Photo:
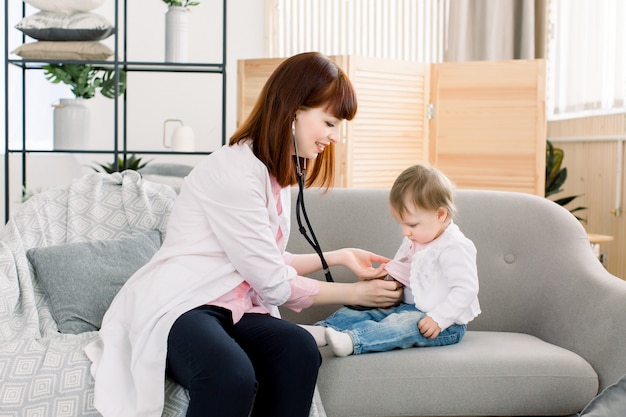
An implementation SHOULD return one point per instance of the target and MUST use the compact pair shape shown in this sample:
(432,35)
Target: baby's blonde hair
(424,186)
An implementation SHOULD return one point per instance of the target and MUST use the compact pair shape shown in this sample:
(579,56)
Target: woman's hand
(378,293)
(360,262)
(370,293)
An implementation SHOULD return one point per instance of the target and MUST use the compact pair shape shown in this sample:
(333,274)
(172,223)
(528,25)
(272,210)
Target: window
(586,56)
(585,51)
(394,29)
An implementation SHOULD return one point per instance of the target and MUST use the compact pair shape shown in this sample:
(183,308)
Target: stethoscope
(301,212)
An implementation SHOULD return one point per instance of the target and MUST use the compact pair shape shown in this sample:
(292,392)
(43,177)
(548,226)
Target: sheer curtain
(586,58)
(411,30)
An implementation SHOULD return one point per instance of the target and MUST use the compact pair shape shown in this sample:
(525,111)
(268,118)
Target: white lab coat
(222,231)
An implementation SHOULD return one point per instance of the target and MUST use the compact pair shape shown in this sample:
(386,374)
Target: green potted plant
(556,176)
(181,3)
(132,162)
(72,116)
(84,80)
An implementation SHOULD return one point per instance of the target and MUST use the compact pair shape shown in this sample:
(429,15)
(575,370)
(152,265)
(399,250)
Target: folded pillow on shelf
(69,50)
(65,6)
(55,26)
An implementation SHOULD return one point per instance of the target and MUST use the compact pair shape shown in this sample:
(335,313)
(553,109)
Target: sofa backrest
(526,245)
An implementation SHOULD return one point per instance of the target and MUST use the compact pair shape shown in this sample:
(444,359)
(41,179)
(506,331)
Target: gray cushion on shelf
(54,26)
(81,279)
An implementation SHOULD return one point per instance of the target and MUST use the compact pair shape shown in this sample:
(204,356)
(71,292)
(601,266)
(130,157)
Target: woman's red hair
(306,80)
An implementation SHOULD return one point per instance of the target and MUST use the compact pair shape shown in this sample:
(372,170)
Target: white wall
(151,97)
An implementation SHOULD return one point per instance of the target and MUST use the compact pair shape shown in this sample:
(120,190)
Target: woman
(204,309)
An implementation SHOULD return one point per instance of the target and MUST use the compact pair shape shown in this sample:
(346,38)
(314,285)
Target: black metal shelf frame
(116,64)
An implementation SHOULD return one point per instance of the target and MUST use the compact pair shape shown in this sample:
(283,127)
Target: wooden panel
(389,132)
(488,132)
(489,126)
(251,76)
(592,167)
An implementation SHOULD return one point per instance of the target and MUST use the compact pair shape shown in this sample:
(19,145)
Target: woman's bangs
(342,102)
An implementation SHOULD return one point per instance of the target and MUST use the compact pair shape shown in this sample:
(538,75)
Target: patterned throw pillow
(81,279)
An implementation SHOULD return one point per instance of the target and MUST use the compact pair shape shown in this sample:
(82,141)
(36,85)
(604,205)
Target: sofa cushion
(469,378)
(81,279)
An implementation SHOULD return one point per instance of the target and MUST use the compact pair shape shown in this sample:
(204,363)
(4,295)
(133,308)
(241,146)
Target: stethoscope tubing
(312,239)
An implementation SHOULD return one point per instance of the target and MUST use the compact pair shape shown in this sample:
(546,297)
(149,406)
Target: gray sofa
(552,331)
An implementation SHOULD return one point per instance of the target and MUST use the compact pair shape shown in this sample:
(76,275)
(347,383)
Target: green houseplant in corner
(71,116)
(556,176)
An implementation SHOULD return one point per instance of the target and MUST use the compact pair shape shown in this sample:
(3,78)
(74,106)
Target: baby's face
(419,225)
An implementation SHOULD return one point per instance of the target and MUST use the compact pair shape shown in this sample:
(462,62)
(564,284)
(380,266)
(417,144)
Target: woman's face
(315,130)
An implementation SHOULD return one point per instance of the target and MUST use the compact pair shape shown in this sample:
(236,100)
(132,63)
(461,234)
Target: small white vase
(176,34)
(71,124)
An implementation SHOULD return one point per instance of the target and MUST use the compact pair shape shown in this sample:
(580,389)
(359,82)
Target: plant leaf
(566,200)
(85,80)
(554,186)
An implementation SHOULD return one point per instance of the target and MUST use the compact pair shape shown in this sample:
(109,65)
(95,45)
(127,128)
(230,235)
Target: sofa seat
(466,379)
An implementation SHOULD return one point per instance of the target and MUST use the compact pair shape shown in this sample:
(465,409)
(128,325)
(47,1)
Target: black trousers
(260,367)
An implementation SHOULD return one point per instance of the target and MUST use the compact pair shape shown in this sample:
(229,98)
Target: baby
(436,263)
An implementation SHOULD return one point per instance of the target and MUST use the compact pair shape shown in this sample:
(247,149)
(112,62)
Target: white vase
(71,124)
(176,34)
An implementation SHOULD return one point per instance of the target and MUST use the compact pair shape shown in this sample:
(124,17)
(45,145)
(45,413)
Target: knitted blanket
(44,372)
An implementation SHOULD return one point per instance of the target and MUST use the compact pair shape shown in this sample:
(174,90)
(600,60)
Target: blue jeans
(379,329)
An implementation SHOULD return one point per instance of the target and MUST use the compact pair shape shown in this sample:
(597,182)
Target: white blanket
(44,372)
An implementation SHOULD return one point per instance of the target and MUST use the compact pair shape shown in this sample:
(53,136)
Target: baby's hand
(428,327)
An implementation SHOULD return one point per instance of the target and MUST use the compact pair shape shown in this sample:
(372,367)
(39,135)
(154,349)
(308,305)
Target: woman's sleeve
(302,289)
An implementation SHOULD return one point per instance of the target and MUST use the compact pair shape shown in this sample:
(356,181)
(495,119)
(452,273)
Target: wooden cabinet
(482,123)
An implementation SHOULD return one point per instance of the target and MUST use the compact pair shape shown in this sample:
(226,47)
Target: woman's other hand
(360,262)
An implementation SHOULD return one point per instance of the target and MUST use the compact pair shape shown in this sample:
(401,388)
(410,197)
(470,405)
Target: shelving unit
(119,61)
